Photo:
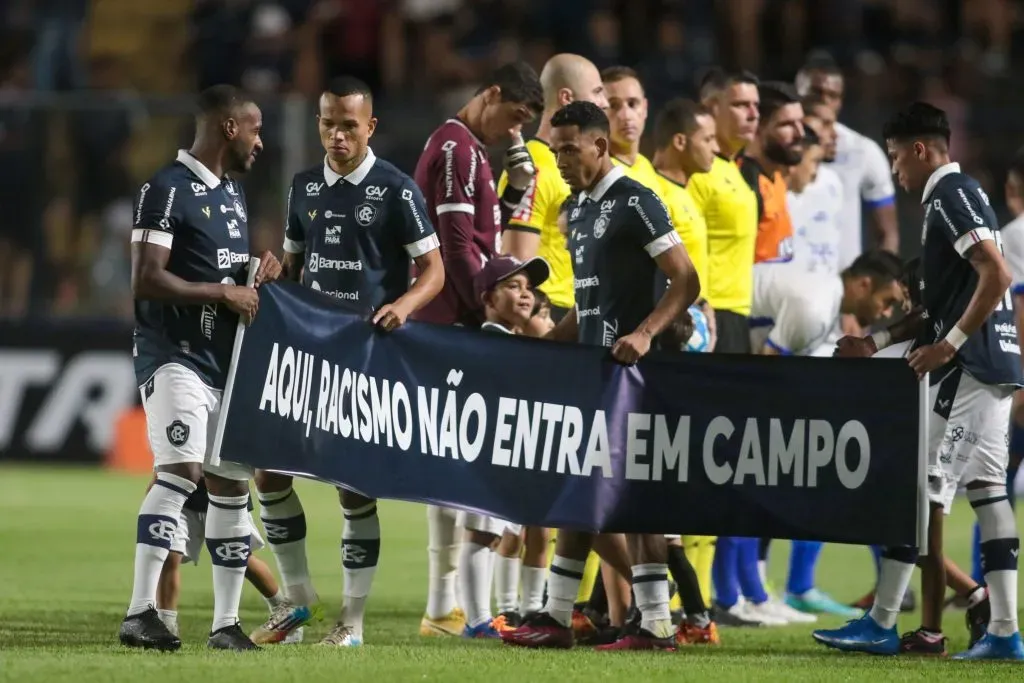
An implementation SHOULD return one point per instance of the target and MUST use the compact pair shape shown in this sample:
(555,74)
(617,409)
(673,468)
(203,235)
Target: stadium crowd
(723,212)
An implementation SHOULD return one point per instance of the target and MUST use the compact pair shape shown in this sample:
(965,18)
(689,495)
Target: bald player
(533,229)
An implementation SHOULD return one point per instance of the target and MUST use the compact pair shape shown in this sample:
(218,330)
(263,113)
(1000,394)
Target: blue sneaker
(995,647)
(861,635)
(815,601)
(484,630)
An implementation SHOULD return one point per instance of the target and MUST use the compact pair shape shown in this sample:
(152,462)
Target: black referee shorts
(733,332)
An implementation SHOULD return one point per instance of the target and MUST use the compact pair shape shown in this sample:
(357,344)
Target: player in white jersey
(799,312)
(862,166)
(815,200)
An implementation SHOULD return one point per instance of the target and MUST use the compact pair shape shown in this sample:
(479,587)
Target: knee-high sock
(650,589)
(360,551)
(563,586)
(285,523)
(442,552)
(803,558)
(897,568)
(228,539)
(748,574)
(156,526)
(476,575)
(724,571)
(506,583)
(999,549)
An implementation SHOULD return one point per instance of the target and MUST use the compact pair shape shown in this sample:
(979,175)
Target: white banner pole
(236,349)
(923,506)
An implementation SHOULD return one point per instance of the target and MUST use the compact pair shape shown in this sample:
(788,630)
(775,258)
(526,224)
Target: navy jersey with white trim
(616,231)
(202,219)
(358,232)
(958,215)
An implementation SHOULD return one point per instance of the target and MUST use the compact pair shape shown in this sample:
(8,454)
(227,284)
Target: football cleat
(285,618)
(147,631)
(540,630)
(762,613)
(583,626)
(506,621)
(777,608)
(639,639)
(995,647)
(861,635)
(484,630)
(731,616)
(451,624)
(341,636)
(815,601)
(688,633)
(977,620)
(920,642)
(231,638)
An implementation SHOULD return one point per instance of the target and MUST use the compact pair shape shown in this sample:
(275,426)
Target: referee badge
(177,433)
(365,214)
(600,226)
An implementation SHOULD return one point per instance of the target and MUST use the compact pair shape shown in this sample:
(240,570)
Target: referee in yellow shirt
(729,207)
(533,228)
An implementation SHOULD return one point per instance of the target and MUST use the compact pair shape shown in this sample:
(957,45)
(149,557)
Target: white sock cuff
(986,494)
(650,570)
(230,502)
(173,482)
(271,497)
(567,566)
(368,510)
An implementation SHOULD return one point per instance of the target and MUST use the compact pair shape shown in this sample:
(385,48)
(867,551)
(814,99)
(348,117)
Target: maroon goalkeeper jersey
(455,176)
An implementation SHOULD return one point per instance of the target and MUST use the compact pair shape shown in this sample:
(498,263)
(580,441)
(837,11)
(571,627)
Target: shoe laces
(337,635)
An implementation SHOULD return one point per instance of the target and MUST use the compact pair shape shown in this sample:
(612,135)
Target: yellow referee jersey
(642,171)
(729,207)
(538,213)
(689,224)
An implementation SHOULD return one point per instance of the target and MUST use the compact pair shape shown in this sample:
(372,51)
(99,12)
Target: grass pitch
(65,578)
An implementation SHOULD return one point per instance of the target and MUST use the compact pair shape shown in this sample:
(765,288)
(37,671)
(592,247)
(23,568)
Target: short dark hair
(614,74)
(919,121)
(718,79)
(880,265)
(221,100)
(823,62)
(1017,164)
(343,86)
(540,300)
(810,137)
(678,116)
(774,96)
(518,83)
(812,100)
(585,115)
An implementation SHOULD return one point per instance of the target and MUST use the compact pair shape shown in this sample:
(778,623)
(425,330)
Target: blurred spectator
(221,31)
(58,48)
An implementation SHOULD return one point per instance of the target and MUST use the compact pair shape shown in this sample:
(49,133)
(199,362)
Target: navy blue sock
(803,558)
(723,571)
(750,578)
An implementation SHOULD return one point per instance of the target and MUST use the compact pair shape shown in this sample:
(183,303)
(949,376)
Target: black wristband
(511,196)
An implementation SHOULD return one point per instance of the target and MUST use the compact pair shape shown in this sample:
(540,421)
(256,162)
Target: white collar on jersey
(497,327)
(937,175)
(603,184)
(356,176)
(197,167)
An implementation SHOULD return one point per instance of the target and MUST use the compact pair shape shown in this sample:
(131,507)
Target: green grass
(66,548)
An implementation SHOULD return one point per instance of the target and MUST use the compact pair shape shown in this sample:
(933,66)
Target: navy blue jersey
(615,232)
(958,215)
(202,219)
(358,232)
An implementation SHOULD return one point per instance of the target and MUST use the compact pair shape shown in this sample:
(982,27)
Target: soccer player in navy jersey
(190,251)
(354,224)
(965,342)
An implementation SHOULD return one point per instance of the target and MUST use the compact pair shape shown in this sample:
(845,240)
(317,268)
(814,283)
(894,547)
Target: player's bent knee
(271,482)
(221,486)
(192,471)
(351,500)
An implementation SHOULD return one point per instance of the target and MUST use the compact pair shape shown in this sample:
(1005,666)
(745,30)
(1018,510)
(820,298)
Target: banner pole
(236,349)
(923,506)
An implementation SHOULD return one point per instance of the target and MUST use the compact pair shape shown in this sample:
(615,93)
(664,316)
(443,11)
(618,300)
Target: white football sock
(228,538)
(360,551)
(170,619)
(274,601)
(532,598)
(893,579)
(506,582)
(442,551)
(999,549)
(475,574)
(650,588)
(285,524)
(563,586)
(157,523)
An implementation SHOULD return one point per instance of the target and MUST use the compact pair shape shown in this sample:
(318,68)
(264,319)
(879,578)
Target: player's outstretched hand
(269,270)
(390,317)
(930,357)
(518,162)
(631,348)
(242,300)
(855,347)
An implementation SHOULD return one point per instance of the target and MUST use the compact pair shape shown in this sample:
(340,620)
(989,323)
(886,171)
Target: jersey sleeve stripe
(522,228)
(967,241)
(458,207)
(160,238)
(662,244)
(879,203)
(423,246)
(294,246)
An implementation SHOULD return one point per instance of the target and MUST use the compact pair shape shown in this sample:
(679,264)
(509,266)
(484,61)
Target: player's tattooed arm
(291,266)
(153,282)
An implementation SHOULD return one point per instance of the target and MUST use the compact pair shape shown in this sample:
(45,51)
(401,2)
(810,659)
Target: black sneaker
(145,630)
(231,638)
(920,642)
(977,618)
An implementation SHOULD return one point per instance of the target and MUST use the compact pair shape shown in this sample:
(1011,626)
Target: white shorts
(191,535)
(968,432)
(181,419)
(487,524)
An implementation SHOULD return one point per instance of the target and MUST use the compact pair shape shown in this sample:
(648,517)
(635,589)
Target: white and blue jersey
(958,215)
(357,233)
(202,219)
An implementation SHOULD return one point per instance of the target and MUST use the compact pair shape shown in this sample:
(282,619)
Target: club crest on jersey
(177,433)
(239,210)
(206,211)
(600,226)
(376,193)
(198,189)
(365,214)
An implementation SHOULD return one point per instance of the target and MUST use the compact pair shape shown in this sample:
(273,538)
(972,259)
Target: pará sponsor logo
(332,235)
(583,283)
(233,231)
(227,258)
(318,263)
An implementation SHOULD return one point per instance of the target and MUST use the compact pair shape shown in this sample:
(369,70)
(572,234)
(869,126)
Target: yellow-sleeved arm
(700,190)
